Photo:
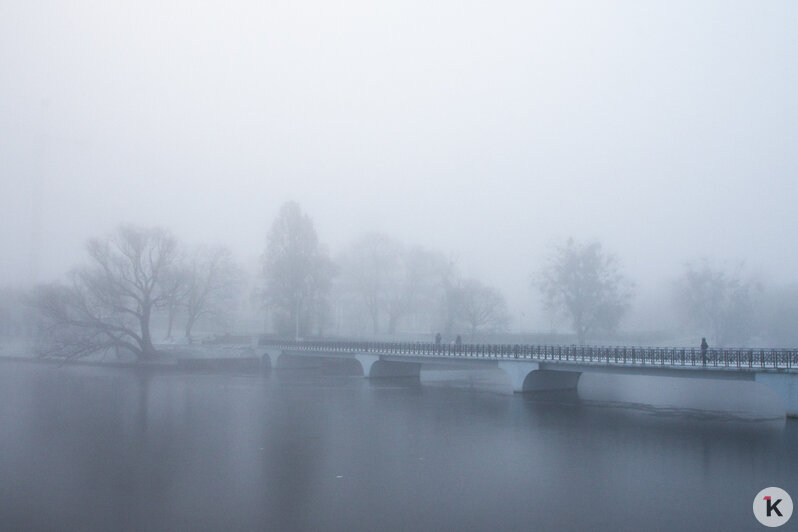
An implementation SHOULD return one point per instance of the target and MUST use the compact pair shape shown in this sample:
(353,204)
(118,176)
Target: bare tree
(385,283)
(423,277)
(175,284)
(449,301)
(714,299)
(211,281)
(319,307)
(371,268)
(482,308)
(109,303)
(296,270)
(584,283)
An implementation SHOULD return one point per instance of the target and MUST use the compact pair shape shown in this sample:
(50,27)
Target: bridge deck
(579,357)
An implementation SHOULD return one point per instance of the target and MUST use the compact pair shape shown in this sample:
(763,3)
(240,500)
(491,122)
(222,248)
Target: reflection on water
(706,399)
(102,449)
(698,397)
(483,380)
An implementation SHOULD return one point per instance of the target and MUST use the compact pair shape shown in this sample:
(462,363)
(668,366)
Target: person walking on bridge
(704,348)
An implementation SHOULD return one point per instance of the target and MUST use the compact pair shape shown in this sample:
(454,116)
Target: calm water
(317,449)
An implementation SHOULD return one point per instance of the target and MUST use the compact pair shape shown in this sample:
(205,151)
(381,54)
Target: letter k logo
(772,506)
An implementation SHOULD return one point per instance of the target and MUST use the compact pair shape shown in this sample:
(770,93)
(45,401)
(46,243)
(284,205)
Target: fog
(398,265)
(489,132)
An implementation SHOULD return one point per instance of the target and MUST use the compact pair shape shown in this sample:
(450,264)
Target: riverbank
(216,359)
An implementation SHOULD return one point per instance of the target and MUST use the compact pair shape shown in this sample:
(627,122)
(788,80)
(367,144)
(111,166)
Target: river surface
(321,449)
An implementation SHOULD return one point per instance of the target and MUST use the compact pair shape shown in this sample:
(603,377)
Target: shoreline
(248,364)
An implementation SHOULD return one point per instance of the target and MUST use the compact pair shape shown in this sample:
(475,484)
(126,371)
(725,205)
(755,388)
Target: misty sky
(488,130)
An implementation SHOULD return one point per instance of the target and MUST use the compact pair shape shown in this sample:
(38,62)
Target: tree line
(109,303)
(377,286)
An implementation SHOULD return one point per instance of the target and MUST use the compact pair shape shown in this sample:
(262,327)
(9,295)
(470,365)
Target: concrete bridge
(547,367)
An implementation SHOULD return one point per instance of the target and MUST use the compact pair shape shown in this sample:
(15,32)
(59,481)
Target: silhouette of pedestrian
(704,348)
(458,341)
(437,341)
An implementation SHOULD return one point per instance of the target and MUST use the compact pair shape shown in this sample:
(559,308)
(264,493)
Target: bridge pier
(518,371)
(374,368)
(276,359)
(528,377)
(269,358)
(786,387)
(551,380)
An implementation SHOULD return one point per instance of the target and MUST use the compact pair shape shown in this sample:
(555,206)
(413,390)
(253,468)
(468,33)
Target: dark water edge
(117,449)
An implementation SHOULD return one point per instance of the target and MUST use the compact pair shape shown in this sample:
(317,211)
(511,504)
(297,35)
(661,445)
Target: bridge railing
(722,358)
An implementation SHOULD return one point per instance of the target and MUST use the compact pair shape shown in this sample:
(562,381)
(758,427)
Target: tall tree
(584,283)
(383,283)
(717,300)
(296,270)
(175,283)
(482,308)
(423,277)
(109,303)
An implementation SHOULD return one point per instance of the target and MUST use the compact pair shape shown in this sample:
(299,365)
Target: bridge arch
(277,359)
(551,380)
(528,377)
(269,358)
(375,368)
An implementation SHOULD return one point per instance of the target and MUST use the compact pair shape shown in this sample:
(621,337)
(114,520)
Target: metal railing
(713,358)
